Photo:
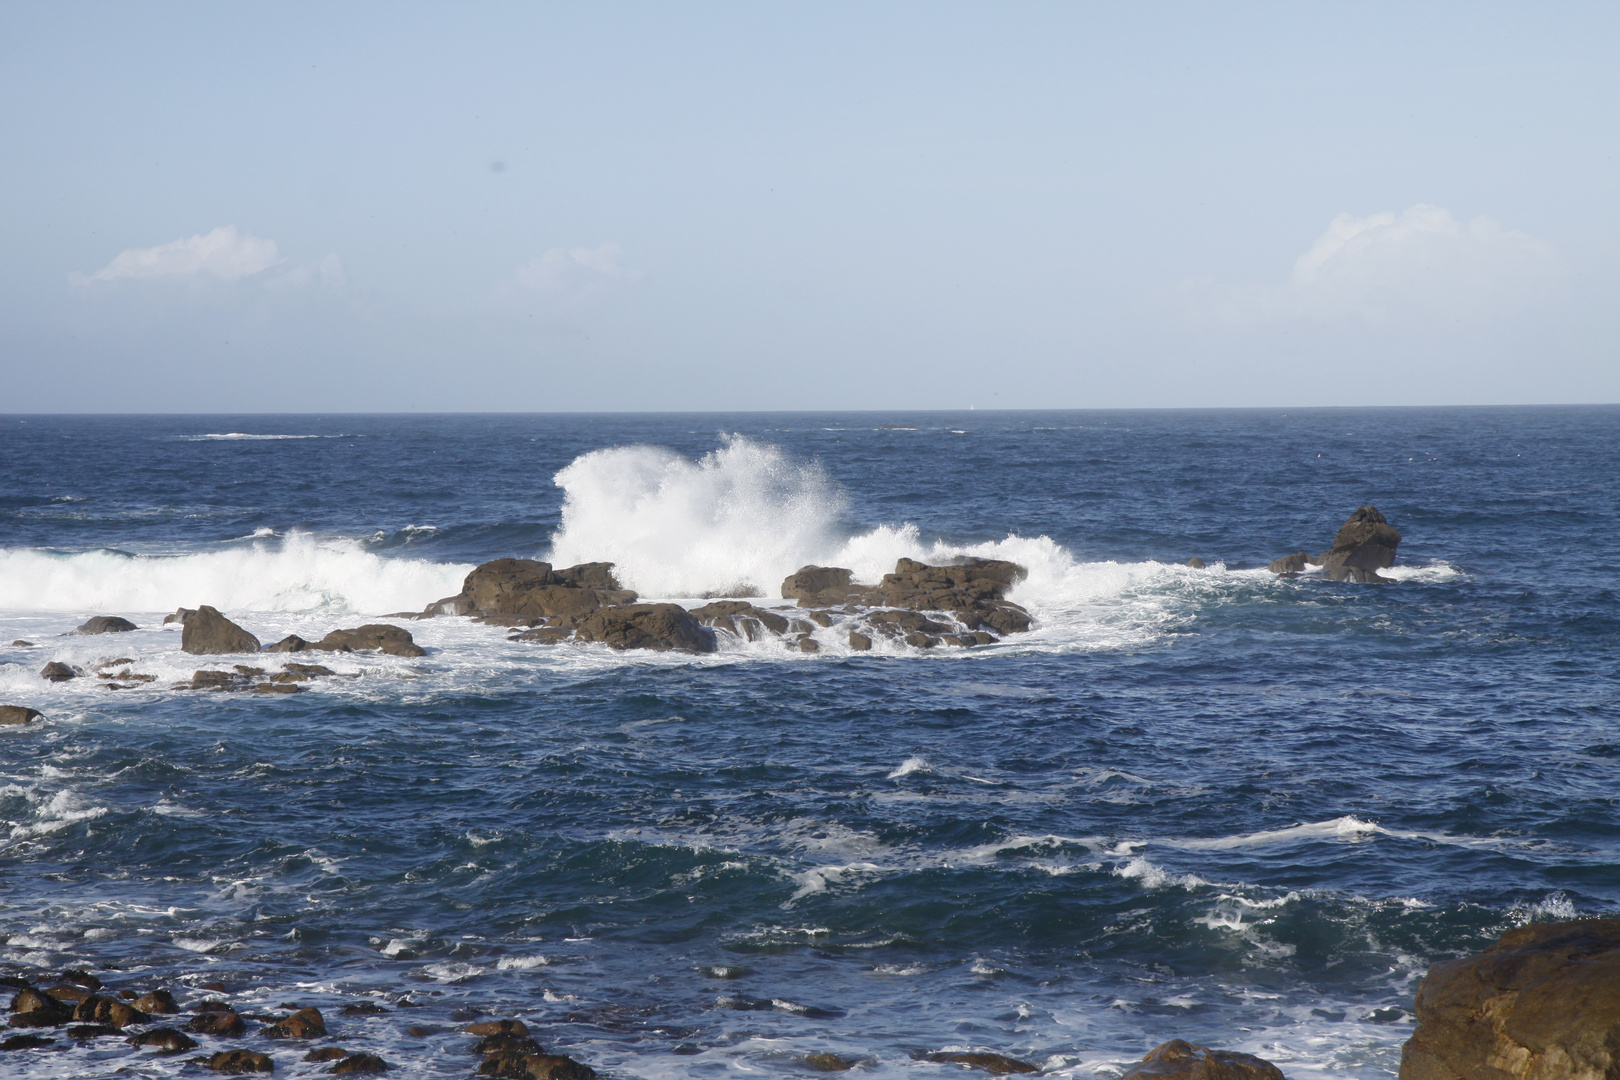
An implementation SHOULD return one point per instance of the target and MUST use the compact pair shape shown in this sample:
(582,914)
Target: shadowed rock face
(647,626)
(1365,544)
(1543,1003)
(205,632)
(17,714)
(1178,1060)
(526,587)
(105,624)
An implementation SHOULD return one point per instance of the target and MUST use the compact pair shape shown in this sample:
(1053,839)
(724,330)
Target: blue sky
(362,207)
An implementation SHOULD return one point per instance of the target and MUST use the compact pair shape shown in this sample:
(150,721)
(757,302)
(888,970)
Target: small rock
(303,1024)
(659,627)
(1289,565)
(17,714)
(392,640)
(90,1031)
(277,688)
(808,644)
(240,1061)
(1196,563)
(1178,1060)
(995,1064)
(360,1063)
(26,1042)
(290,643)
(158,1001)
(216,987)
(498,1027)
(217,1022)
(68,992)
(167,1039)
(859,641)
(56,671)
(106,624)
(364,1008)
(206,633)
(828,1063)
(100,1009)
(326,1053)
(180,616)
(535,1067)
(21,644)
(417,1031)
(507,1044)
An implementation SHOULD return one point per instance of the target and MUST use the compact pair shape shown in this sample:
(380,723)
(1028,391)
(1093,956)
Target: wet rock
(36,1008)
(17,714)
(544,635)
(591,575)
(303,1024)
(828,1063)
(535,1067)
(1543,1002)
(326,1053)
(26,1042)
(363,1008)
(100,1009)
(180,616)
(1289,565)
(277,688)
(218,1021)
(417,1031)
(859,641)
(821,618)
(91,1031)
(56,671)
(290,643)
(1178,1060)
(240,1061)
(168,1040)
(1365,544)
(506,1044)
(360,1063)
(381,637)
(216,987)
(661,627)
(71,993)
(741,619)
(1196,563)
(208,633)
(485,1028)
(532,588)
(105,624)
(808,644)
(995,1064)
(21,644)
(820,586)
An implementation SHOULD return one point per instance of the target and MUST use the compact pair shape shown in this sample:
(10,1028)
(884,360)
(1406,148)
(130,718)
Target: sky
(397,207)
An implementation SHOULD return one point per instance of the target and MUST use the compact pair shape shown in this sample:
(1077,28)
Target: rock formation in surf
(205,632)
(372,637)
(1179,1060)
(1364,545)
(1543,1002)
(106,624)
(17,714)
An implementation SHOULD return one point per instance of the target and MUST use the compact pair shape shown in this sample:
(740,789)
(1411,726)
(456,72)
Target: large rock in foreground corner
(1543,1003)
(647,626)
(1365,544)
(106,624)
(205,632)
(1178,1060)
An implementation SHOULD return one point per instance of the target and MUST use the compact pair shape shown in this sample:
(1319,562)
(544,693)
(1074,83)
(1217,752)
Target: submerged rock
(17,714)
(106,624)
(1179,1060)
(240,1061)
(25,1042)
(661,627)
(326,1053)
(303,1024)
(488,1028)
(1195,562)
(208,633)
(828,1063)
(355,1064)
(168,1040)
(1542,1003)
(995,1064)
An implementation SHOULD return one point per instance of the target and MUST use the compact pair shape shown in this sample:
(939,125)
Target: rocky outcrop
(1178,1060)
(1543,1003)
(17,714)
(1291,565)
(742,619)
(101,1009)
(1365,544)
(205,632)
(106,624)
(527,587)
(304,1024)
(377,637)
(56,671)
(660,627)
(995,1064)
(820,586)
(971,592)
(158,1001)
(180,616)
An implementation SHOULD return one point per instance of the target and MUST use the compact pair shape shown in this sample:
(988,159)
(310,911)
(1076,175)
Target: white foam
(300,573)
(910,765)
(521,963)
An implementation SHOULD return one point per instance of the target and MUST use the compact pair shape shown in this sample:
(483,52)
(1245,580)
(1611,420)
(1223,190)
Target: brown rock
(180,616)
(487,1028)
(828,1063)
(535,1067)
(68,992)
(166,1039)
(326,1053)
(741,619)
(240,1061)
(221,1021)
(105,624)
(360,1063)
(1543,1003)
(100,1009)
(21,644)
(820,586)
(1178,1060)
(208,633)
(1196,563)
(363,1008)
(17,714)
(660,627)
(158,1001)
(25,1042)
(1365,544)
(56,671)
(506,1044)
(303,1024)
(996,1064)
(393,640)
(1289,565)
(90,1031)
(591,575)
(859,641)
(529,587)
(290,643)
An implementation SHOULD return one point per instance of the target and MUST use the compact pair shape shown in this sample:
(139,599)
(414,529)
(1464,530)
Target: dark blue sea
(1209,804)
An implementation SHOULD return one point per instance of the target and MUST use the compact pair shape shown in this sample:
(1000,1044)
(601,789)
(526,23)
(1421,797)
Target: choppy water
(1207,804)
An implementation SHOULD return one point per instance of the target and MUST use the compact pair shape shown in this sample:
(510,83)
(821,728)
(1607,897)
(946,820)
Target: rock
(487,1028)
(26,1042)
(660,627)
(529,587)
(1543,1003)
(21,644)
(158,1001)
(535,1067)
(393,640)
(1289,565)
(828,1063)
(167,1039)
(56,671)
(996,1064)
(1365,544)
(180,616)
(506,1044)
(1196,563)
(591,575)
(303,1024)
(326,1053)
(35,1008)
(741,619)
(217,1021)
(240,1061)
(360,1063)
(17,714)
(208,633)
(808,644)
(859,641)
(290,643)
(68,992)
(363,1008)
(1178,1060)
(100,1009)
(90,1031)
(820,586)
(106,624)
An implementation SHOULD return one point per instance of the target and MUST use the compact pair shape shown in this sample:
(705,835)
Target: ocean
(1200,803)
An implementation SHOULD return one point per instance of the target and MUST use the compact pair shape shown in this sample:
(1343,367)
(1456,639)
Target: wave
(245,435)
(298,574)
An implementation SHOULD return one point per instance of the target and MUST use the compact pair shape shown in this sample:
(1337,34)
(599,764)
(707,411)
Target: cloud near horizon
(1420,264)
(573,270)
(226,253)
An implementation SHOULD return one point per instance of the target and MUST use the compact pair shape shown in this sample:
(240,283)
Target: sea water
(1209,804)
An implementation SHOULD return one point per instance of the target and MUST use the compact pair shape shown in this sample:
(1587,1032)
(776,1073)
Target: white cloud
(327,274)
(226,253)
(573,270)
(1420,264)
